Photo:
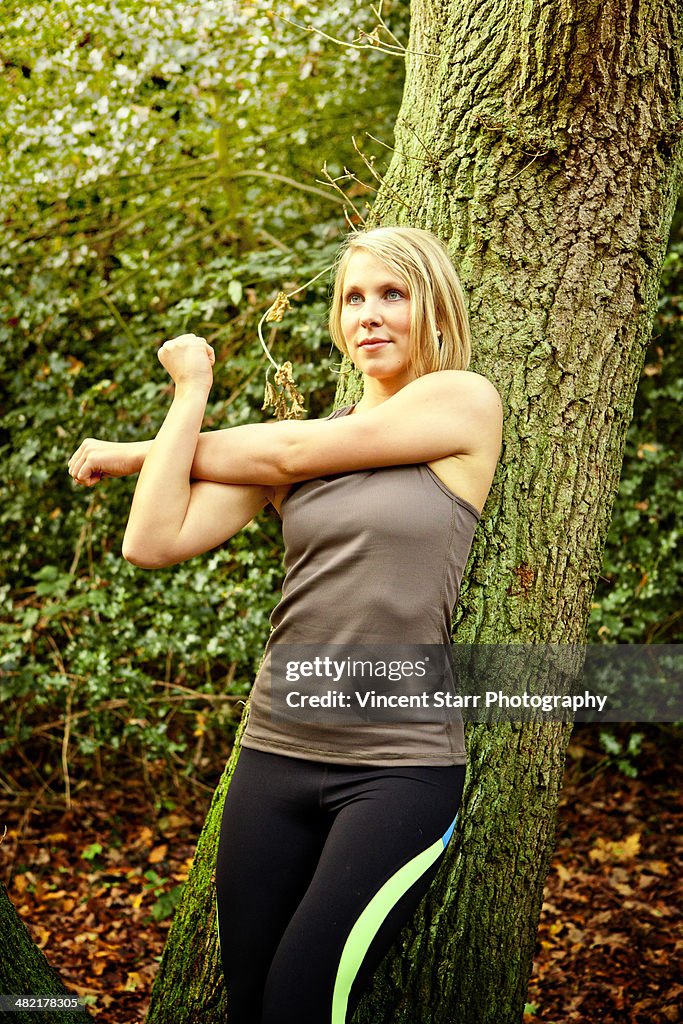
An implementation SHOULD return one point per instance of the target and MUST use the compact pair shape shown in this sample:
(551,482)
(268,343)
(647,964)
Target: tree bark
(24,971)
(543,141)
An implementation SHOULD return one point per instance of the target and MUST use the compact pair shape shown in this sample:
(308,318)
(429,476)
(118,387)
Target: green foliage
(92,852)
(166,899)
(623,755)
(159,178)
(638,595)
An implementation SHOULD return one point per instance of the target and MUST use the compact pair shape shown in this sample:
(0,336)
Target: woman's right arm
(173,518)
(215,512)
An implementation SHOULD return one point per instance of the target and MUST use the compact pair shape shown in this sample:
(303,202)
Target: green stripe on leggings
(369,922)
(218,920)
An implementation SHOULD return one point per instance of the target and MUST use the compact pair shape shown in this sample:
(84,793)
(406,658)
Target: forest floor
(96,886)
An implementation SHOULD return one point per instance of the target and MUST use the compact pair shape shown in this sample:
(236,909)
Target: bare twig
(197,694)
(274,176)
(404,156)
(432,158)
(526,166)
(377,11)
(374,42)
(367,161)
(378,178)
(334,184)
(381,143)
(65,749)
(275,242)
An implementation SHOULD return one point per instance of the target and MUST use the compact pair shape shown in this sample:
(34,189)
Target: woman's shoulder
(455,379)
(456,386)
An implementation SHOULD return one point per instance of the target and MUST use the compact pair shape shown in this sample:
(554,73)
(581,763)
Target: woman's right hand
(188,359)
(95,459)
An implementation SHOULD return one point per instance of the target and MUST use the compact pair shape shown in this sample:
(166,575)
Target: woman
(333,831)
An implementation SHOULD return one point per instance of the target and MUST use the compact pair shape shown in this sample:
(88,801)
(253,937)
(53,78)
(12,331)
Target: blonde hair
(439,327)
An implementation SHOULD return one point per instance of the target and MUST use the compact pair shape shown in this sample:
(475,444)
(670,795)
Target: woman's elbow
(142,556)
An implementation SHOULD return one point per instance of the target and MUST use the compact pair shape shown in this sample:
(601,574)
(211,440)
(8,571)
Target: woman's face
(375,319)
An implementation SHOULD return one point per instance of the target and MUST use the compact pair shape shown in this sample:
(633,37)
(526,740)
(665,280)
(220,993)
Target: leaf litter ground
(97,885)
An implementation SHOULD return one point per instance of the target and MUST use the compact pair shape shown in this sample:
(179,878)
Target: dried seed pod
(278,309)
(284,396)
(269,396)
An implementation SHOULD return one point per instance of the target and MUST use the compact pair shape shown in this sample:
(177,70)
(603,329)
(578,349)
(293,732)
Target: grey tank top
(373,557)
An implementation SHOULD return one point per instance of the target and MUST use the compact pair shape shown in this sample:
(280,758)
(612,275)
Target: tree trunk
(539,139)
(189,986)
(24,971)
(541,142)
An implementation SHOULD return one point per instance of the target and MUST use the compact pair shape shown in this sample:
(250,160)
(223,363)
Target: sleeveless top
(373,557)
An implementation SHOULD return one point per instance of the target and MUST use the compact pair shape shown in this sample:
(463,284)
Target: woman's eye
(354,298)
(394,293)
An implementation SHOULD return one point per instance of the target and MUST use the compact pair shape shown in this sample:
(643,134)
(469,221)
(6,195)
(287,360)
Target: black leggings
(319,866)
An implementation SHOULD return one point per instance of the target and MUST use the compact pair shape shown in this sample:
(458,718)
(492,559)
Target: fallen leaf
(42,935)
(55,895)
(657,867)
(134,980)
(619,850)
(144,837)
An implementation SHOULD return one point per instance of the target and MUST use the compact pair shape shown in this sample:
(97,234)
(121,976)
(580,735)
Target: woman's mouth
(371,344)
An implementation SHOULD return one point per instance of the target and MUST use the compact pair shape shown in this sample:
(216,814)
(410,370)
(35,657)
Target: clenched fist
(188,359)
(95,459)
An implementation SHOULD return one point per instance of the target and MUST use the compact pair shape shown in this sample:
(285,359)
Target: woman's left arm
(450,412)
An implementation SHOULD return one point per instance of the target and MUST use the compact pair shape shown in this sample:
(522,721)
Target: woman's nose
(370,314)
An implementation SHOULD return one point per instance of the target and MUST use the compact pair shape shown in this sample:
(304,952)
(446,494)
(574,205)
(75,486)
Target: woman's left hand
(188,359)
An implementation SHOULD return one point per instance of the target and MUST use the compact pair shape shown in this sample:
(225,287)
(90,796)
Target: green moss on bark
(24,971)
